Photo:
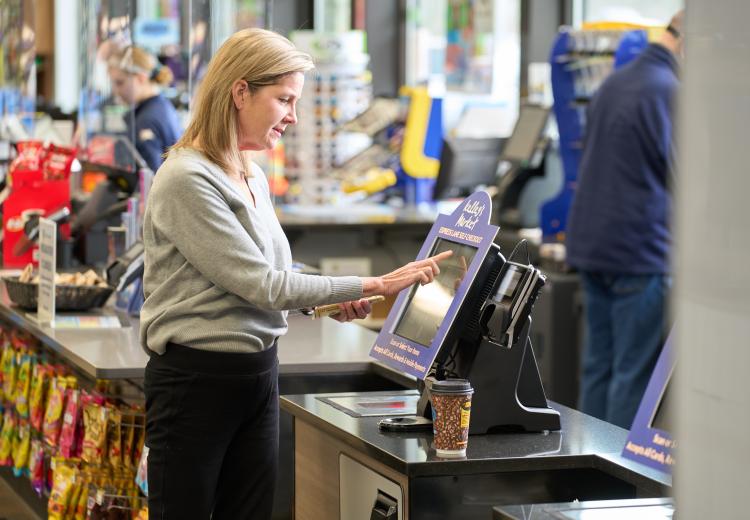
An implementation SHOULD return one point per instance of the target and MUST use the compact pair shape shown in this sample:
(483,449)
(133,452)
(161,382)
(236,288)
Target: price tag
(47,268)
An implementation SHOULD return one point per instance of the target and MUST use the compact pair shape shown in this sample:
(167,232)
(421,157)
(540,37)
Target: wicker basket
(67,297)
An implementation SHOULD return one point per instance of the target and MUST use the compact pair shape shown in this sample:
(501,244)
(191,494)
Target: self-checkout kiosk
(472,322)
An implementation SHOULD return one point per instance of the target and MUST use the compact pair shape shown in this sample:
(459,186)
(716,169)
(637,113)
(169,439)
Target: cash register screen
(428,304)
(522,143)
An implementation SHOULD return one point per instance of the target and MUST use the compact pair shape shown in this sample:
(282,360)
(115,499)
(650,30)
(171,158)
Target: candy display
(77,444)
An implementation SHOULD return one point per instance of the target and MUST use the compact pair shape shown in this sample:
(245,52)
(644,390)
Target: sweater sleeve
(201,223)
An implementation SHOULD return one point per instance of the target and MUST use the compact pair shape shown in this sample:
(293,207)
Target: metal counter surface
(310,347)
(594,509)
(583,442)
(293,216)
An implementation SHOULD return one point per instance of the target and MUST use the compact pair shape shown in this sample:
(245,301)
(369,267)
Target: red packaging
(39,185)
(70,423)
(57,162)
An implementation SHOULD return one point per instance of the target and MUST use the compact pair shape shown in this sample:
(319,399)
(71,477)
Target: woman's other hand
(353,310)
(419,271)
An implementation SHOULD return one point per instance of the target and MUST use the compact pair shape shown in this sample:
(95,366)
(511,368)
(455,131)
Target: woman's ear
(239,91)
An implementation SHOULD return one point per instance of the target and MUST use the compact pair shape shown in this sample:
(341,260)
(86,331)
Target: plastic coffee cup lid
(452,386)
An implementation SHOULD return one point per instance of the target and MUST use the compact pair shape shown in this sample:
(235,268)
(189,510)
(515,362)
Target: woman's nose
(291,117)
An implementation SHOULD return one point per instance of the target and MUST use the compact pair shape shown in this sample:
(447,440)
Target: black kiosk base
(508,392)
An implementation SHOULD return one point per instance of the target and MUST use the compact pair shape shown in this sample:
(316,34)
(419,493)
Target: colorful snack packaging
(80,509)
(94,433)
(141,476)
(114,438)
(23,385)
(21,449)
(128,439)
(7,434)
(57,162)
(64,477)
(54,412)
(36,466)
(39,383)
(140,440)
(10,372)
(71,417)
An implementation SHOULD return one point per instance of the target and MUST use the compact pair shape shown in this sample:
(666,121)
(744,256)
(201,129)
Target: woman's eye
(284,100)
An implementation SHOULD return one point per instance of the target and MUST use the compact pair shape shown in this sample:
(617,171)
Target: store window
(468,52)
(645,12)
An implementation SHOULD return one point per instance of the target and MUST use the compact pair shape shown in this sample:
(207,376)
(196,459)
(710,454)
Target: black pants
(212,428)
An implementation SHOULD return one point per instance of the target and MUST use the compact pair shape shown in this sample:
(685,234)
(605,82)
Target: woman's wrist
(372,285)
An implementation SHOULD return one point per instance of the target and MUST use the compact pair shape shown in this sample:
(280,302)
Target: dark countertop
(634,508)
(583,442)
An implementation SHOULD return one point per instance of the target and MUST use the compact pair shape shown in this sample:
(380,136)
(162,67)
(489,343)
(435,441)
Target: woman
(137,78)
(218,284)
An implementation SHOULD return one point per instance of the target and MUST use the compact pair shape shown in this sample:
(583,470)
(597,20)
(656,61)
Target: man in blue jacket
(618,231)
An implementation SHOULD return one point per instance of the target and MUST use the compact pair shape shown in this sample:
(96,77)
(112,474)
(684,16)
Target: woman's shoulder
(259,176)
(187,166)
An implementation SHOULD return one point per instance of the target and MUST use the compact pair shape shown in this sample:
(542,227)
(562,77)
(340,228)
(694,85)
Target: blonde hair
(259,57)
(135,60)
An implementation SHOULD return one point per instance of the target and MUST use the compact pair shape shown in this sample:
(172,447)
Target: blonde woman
(137,79)
(218,284)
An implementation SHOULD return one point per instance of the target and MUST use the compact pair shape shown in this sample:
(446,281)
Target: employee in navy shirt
(618,233)
(137,78)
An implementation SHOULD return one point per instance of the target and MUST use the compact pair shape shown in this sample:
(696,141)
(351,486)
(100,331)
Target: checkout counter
(472,322)
(315,356)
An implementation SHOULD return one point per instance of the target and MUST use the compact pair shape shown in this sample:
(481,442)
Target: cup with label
(451,411)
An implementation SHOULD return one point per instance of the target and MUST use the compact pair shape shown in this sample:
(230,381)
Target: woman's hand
(353,310)
(419,271)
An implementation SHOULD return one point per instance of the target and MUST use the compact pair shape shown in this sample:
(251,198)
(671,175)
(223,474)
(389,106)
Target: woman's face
(122,85)
(264,114)
(127,87)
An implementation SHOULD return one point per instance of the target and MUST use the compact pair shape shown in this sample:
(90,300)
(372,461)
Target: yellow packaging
(94,433)
(63,479)
(114,438)
(23,385)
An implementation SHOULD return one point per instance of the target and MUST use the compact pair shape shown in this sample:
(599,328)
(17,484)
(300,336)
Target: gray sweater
(217,269)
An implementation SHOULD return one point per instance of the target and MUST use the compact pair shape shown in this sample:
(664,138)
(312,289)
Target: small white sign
(47,268)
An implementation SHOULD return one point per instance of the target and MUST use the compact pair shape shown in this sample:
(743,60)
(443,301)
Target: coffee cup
(451,411)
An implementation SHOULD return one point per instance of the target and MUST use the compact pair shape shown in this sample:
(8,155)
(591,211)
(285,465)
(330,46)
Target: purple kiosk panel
(422,316)
(650,441)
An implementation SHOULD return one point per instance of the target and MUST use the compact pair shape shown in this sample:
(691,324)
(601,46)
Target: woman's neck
(148,92)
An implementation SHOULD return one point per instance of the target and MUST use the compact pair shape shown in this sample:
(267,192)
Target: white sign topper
(47,267)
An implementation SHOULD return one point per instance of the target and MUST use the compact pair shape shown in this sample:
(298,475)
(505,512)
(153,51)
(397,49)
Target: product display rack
(580,61)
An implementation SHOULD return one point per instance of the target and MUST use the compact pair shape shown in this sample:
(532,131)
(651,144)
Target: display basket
(67,297)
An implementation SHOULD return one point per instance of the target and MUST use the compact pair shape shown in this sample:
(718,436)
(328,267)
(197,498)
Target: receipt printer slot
(385,508)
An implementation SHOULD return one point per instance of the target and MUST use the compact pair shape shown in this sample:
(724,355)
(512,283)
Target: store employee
(137,78)
(218,285)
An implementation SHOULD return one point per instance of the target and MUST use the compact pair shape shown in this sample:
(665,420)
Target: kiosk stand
(508,392)
(472,323)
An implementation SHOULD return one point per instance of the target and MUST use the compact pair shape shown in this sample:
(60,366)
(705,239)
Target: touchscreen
(428,304)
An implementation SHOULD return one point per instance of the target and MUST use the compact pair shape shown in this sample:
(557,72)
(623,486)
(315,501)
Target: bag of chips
(39,383)
(10,372)
(63,480)
(54,412)
(71,418)
(94,433)
(36,466)
(114,438)
(21,449)
(7,434)
(23,385)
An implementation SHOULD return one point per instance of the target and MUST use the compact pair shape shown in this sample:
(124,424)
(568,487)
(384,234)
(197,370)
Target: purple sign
(422,316)
(649,441)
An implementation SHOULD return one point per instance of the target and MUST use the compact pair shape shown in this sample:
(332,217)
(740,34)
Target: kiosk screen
(428,304)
